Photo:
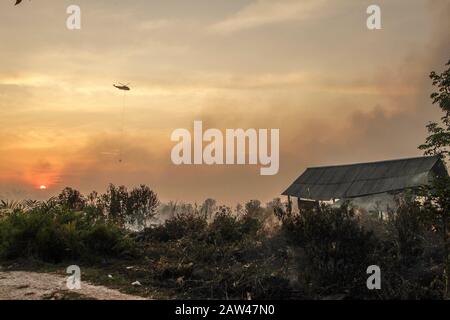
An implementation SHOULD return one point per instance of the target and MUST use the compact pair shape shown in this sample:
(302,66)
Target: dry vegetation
(214,252)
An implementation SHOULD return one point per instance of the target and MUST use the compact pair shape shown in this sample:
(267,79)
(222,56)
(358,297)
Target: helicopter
(122,86)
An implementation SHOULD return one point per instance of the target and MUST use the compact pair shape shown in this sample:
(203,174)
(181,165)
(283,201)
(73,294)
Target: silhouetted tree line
(118,205)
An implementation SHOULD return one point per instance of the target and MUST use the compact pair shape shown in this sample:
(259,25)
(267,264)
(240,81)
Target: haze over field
(338,92)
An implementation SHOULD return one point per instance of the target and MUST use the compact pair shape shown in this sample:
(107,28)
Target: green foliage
(412,254)
(57,235)
(228,258)
(106,240)
(134,208)
(253,208)
(336,248)
(72,199)
(181,225)
(141,205)
(226,254)
(208,207)
(225,228)
(438,141)
(409,227)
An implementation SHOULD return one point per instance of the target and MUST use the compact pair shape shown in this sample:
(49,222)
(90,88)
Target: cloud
(158,24)
(338,93)
(264,12)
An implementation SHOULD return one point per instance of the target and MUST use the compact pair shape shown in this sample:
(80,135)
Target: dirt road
(20,285)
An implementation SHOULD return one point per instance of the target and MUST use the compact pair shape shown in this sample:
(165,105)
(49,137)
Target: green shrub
(227,228)
(232,255)
(224,229)
(57,235)
(335,248)
(413,254)
(180,226)
(19,234)
(226,259)
(107,240)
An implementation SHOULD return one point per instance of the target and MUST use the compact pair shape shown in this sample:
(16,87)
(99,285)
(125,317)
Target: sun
(43,187)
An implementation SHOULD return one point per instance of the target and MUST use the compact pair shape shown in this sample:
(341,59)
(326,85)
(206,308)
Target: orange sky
(338,92)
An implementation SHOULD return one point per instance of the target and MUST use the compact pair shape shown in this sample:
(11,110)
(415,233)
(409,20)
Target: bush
(228,258)
(106,240)
(182,225)
(336,249)
(224,229)
(227,228)
(231,255)
(413,254)
(57,235)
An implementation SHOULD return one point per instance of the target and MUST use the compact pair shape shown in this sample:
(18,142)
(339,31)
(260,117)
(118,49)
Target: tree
(142,203)
(115,203)
(279,209)
(253,208)
(135,207)
(208,207)
(438,141)
(72,199)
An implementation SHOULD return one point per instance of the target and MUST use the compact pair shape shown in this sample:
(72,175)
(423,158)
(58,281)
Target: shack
(373,182)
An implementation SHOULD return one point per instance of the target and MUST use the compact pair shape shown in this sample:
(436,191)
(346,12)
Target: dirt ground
(21,285)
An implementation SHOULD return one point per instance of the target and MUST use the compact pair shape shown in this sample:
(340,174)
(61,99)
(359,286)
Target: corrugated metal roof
(355,180)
